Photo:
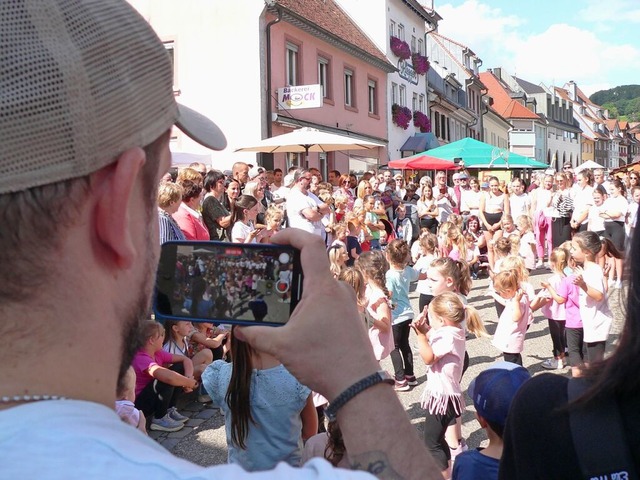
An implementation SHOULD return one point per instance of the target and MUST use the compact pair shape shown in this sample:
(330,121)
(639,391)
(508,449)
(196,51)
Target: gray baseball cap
(81,81)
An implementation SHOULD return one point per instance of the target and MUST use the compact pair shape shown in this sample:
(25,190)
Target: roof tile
(327,15)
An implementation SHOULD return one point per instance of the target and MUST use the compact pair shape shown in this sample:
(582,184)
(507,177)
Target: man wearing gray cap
(86,108)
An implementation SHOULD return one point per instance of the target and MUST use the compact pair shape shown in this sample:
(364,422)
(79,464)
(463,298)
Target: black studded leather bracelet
(380,376)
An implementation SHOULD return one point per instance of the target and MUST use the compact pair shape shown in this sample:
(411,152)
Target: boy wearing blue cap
(491,392)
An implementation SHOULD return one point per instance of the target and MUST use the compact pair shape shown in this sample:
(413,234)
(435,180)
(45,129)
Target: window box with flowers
(400,48)
(421,121)
(400,115)
(420,63)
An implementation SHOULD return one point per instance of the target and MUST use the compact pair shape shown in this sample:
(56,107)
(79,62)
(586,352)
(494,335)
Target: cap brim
(199,128)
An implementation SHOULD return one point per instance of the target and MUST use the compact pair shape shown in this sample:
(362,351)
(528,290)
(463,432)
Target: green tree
(613,110)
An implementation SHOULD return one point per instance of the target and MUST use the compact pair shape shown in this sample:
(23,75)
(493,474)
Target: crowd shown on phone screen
(443,231)
(86,110)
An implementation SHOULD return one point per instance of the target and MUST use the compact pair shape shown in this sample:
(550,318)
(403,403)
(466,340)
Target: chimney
(498,73)
(573,90)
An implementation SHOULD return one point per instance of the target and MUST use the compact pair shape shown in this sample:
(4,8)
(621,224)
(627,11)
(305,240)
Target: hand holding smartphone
(228,283)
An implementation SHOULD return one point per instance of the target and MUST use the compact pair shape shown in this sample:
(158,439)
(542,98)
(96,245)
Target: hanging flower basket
(400,48)
(420,63)
(401,116)
(421,121)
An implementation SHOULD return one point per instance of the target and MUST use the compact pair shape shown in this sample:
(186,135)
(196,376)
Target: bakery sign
(299,96)
(406,72)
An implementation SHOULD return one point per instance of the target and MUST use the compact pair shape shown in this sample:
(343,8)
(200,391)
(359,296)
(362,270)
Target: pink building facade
(325,47)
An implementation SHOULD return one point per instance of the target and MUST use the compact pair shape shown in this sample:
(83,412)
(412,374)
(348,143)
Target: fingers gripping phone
(228,283)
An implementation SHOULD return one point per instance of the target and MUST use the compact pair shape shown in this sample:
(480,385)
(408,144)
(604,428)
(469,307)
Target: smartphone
(443,190)
(228,283)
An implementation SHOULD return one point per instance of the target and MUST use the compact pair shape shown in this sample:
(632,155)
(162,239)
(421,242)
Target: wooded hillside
(622,102)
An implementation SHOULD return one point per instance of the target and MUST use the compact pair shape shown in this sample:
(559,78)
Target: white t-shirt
(444,204)
(71,439)
(616,204)
(582,202)
(296,203)
(596,222)
(422,265)
(519,205)
(596,316)
(526,252)
(470,201)
(240,232)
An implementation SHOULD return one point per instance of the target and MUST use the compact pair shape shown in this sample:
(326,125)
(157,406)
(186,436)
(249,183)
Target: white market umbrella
(307,140)
(590,164)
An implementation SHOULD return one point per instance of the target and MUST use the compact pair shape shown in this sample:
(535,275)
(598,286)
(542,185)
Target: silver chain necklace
(29,398)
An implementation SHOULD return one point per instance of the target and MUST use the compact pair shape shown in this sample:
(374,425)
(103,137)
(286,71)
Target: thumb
(259,337)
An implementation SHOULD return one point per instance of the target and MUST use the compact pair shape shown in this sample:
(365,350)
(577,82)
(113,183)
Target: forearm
(170,377)
(597,295)
(517,313)
(224,222)
(425,350)
(373,448)
(558,299)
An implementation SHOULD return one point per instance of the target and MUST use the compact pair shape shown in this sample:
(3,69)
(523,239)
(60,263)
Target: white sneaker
(550,364)
(618,284)
(539,264)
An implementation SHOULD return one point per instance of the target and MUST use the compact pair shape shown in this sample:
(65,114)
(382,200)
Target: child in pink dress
(373,265)
(514,319)
(442,347)
(554,311)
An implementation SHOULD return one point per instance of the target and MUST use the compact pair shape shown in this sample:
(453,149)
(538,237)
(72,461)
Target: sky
(591,42)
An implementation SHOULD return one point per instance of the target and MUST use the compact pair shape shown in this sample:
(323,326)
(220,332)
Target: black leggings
(423,301)
(435,427)
(595,351)
(402,356)
(513,358)
(156,398)
(560,231)
(558,338)
(575,345)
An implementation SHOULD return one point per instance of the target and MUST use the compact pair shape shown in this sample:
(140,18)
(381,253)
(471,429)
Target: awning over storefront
(420,142)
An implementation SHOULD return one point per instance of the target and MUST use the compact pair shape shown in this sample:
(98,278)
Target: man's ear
(114,189)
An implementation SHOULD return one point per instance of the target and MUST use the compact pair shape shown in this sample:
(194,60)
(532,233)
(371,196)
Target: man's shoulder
(88,440)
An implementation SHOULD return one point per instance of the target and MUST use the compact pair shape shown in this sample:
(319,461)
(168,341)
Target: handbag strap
(598,437)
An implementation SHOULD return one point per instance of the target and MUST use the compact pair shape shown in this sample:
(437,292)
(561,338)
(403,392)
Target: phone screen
(228,283)
(443,189)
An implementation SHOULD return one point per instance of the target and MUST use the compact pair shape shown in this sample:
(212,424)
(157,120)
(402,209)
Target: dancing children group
(381,236)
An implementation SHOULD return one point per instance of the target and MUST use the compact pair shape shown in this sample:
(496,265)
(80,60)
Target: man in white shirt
(93,173)
(519,201)
(387,180)
(600,179)
(280,195)
(445,197)
(304,209)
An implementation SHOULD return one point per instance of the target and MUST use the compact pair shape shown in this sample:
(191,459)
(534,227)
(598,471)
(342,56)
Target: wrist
(356,389)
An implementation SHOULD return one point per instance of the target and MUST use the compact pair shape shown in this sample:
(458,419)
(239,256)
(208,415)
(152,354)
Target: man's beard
(139,311)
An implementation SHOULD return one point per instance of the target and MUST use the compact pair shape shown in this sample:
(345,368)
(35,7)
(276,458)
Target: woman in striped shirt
(562,204)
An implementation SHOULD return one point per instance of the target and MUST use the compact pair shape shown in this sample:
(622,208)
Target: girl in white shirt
(243,216)
(614,212)
(594,307)
(596,221)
